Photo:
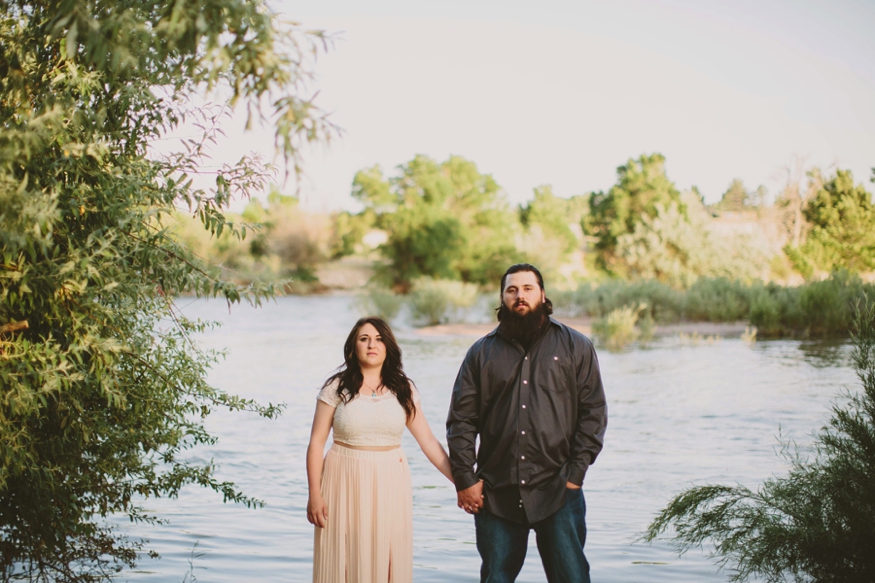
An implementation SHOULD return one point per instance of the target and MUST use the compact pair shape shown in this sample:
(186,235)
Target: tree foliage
(286,242)
(813,524)
(554,217)
(675,246)
(738,198)
(642,189)
(841,235)
(101,387)
(550,231)
(444,220)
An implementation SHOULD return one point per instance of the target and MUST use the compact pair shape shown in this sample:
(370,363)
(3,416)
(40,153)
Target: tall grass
(617,329)
(663,303)
(817,308)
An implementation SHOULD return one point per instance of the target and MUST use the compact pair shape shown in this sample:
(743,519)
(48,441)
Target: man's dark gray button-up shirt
(540,416)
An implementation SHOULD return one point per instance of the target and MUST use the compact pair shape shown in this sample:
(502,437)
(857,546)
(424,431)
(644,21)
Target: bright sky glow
(561,93)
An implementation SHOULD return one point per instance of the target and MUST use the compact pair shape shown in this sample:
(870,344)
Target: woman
(360,498)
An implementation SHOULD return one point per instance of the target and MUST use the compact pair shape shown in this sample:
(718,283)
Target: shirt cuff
(576,475)
(465,480)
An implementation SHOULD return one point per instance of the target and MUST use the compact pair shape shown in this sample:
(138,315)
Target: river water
(681,413)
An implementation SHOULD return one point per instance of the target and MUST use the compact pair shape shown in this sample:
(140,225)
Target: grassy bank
(813,309)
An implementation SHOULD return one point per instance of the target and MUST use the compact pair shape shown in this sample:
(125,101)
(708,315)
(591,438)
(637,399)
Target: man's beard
(524,328)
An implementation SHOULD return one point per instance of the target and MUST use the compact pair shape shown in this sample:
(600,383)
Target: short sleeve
(328,394)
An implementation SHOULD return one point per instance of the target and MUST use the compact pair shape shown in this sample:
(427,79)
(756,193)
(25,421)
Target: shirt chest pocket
(555,374)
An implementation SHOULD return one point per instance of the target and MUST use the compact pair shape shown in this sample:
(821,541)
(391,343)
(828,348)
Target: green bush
(816,308)
(379,301)
(828,305)
(717,299)
(813,524)
(616,330)
(437,301)
(765,312)
(663,304)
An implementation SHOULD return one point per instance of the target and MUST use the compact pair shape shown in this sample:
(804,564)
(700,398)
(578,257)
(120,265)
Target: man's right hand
(471,499)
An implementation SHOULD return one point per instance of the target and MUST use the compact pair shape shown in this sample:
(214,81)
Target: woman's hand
(317,511)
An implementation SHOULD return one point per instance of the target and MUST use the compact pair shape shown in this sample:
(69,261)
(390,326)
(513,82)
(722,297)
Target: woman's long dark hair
(349,374)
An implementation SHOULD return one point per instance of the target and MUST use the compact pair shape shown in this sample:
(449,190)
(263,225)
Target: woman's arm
(317,511)
(430,446)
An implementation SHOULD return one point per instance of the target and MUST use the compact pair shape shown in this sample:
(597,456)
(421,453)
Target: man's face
(522,294)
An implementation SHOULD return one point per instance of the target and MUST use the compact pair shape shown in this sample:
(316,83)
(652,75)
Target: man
(531,390)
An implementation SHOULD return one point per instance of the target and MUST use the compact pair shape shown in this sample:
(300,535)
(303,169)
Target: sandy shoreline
(584,325)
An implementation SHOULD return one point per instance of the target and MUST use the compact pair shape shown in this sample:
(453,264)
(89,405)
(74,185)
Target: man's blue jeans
(502,544)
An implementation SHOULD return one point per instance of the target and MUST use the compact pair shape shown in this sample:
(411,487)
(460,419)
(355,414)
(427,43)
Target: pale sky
(562,92)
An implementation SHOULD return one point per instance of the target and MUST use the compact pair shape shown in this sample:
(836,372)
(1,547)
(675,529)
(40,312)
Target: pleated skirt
(369,534)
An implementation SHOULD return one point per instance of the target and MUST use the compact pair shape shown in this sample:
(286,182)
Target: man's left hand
(571,486)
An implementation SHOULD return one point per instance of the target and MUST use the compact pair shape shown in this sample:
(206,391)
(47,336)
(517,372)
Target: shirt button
(527,358)
(524,406)
(522,481)
(523,432)
(525,382)
(522,457)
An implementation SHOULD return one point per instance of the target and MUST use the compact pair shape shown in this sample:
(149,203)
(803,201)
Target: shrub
(765,312)
(717,300)
(436,301)
(379,301)
(827,305)
(815,523)
(663,304)
(617,329)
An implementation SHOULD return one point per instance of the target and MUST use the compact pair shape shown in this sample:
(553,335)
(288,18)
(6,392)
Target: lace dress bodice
(367,421)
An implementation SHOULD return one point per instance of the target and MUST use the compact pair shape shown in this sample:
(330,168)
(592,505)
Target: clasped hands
(471,499)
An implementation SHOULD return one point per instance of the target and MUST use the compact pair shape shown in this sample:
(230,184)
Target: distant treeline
(446,220)
(449,221)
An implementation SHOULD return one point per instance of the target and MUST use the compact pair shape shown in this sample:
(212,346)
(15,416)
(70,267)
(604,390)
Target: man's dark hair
(516,268)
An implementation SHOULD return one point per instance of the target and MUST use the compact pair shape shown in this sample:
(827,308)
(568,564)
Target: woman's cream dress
(369,534)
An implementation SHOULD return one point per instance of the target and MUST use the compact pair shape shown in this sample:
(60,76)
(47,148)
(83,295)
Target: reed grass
(813,309)
(617,329)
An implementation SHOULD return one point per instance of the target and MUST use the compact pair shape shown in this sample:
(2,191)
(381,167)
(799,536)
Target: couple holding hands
(530,390)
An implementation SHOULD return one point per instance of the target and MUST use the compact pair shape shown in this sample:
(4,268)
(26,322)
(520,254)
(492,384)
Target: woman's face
(369,347)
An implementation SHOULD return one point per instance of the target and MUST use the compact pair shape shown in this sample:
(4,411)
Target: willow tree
(101,388)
